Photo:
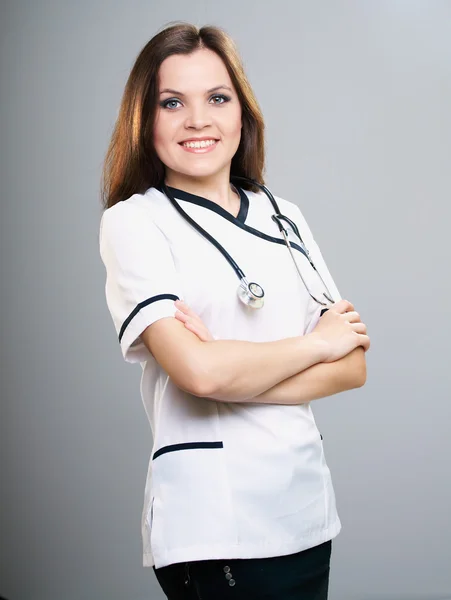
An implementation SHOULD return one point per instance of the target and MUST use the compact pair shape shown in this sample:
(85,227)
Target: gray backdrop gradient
(356,96)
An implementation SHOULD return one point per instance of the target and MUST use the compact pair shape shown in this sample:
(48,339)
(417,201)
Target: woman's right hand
(342,330)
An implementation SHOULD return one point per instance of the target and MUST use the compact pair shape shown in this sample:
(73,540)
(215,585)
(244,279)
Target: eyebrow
(214,89)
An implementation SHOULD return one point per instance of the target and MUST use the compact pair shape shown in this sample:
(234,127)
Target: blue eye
(173,103)
(169,103)
(221,97)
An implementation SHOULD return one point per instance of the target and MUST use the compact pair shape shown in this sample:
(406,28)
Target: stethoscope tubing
(277,217)
(202,231)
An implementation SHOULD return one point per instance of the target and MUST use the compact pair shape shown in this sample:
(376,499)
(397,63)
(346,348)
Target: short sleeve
(321,266)
(141,279)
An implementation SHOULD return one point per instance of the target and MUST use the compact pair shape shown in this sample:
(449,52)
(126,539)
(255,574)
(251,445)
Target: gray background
(356,97)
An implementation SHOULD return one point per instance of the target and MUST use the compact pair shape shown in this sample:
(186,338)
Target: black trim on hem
(186,446)
(141,305)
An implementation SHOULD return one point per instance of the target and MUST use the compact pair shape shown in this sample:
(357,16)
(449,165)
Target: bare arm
(319,381)
(228,370)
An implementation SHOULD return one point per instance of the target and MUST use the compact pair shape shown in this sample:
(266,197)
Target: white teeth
(201,144)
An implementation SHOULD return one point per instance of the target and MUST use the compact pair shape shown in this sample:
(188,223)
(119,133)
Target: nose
(198,117)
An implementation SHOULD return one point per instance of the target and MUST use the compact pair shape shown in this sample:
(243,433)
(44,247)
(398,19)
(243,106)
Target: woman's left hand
(192,321)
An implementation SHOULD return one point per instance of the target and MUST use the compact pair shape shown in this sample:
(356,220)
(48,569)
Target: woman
(238,498)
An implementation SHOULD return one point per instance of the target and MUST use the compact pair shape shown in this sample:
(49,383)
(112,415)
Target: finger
(359,327)
(194,319)
(352,316)
(342,306)
(184,318)
(181,316)
(192,327)
(349,305)
(181,306)
(185,308)
(196,325)
(200,332)
(364,341)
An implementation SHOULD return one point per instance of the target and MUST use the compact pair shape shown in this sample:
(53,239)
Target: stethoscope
(250,292)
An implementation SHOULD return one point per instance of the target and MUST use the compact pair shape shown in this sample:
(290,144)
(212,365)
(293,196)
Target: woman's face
(197,127)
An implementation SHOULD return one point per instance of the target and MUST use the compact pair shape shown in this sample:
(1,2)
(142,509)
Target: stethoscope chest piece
(251,293)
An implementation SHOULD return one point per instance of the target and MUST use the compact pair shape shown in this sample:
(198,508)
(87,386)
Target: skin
(197,100)
(188,109)
(318,381)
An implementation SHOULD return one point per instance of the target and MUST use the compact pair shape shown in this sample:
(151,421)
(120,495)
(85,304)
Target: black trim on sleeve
(186,446)
(141,305)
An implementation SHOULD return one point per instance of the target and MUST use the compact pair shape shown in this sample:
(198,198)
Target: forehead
(198,71)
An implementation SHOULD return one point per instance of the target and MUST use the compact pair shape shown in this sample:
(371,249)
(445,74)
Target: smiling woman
(197,121)
(187,85)
(238,492)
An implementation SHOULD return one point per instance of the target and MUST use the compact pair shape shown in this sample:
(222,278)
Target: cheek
(238,123)
(164,129)
(158,135)
(237,129)
(163,139)
(232,126)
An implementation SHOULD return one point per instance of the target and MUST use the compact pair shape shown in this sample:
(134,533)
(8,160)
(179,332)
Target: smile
(199,147)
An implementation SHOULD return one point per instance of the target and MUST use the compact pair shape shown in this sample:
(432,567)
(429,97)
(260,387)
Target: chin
(200,170)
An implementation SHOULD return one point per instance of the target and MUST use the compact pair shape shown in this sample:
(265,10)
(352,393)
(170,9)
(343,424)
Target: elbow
(188,361)
(195,374)
(202,382)
(360,374)
(360,380)
(357,373)
(195,382)
(202,386)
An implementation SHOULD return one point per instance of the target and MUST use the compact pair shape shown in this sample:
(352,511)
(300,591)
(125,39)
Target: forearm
(238,371)
(319,381)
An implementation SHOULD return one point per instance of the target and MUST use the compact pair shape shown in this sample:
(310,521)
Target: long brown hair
(131,163)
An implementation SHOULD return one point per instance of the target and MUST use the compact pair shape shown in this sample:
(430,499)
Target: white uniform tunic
(225,479)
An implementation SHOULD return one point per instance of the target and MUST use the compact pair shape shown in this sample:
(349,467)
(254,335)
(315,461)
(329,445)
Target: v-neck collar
(238,220)
(201,201)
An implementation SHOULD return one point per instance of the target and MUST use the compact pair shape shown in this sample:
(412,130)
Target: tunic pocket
(191,504)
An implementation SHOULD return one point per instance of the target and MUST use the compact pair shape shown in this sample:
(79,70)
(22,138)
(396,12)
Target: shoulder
(294,212)
(129,231)
(137,210)
(287,207)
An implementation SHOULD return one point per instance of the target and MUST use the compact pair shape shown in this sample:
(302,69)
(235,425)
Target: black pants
(300,576)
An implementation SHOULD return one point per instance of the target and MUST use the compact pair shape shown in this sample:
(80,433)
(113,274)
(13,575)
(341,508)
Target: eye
(220,99)
(170,103)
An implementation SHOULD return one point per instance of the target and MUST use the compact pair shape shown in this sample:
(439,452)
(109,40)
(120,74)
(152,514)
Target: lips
(199,139)
(199,145)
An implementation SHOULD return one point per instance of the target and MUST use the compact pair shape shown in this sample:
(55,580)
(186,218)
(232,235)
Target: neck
(216,188)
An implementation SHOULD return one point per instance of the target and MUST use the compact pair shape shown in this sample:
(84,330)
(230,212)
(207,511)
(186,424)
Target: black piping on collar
(215,207)
(200,201)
